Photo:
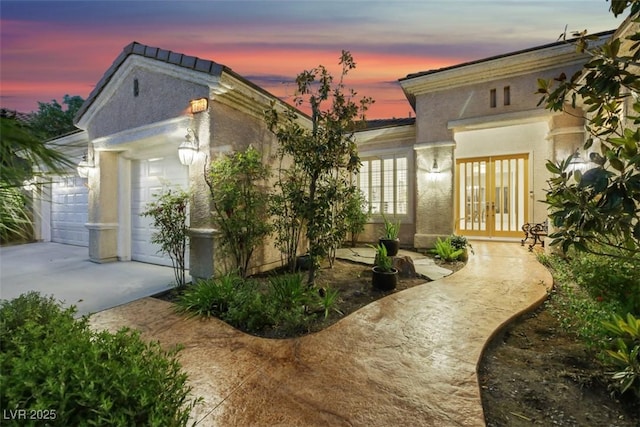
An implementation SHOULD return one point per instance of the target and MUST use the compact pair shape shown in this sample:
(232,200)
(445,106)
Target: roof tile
(175,58)
(203,65)
(163,55)
(188,61)
(151,52)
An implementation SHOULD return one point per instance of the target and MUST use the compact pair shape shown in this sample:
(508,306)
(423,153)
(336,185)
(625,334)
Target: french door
(491,198)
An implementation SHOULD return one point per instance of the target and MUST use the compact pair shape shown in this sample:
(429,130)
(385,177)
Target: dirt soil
(535,373)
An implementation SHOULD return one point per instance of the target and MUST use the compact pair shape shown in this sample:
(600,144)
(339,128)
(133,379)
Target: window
(493,98)
(507,95)
(384,183)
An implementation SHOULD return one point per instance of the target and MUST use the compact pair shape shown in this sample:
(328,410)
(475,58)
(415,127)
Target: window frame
(382,155)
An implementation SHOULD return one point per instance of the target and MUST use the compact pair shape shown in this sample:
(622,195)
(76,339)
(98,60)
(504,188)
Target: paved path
(406,360)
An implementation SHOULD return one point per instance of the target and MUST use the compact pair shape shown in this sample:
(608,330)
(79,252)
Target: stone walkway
(423,264)
(408,359)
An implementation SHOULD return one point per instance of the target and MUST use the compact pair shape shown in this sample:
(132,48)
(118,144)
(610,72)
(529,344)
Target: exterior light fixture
(577,163)
(189,148)
(434,167)
(84,166)
(199,105)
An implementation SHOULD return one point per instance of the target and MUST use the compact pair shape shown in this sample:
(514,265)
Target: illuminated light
(83,167)
(188,150)
(199,105)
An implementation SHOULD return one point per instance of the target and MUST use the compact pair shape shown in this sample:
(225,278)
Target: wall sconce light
(199,105)
(578,163)
(189,148)
(84,166)
(434,167)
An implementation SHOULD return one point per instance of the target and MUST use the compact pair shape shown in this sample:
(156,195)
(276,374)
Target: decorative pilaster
(103,208)
(435,167)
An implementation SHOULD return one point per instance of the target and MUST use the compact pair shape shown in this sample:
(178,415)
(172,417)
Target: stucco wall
(161,97)
(435,110)
(233,130)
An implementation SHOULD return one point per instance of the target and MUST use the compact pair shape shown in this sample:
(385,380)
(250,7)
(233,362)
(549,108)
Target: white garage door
(149,177)
(69,211)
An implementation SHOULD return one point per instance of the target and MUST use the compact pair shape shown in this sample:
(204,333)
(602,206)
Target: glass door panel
(491,195)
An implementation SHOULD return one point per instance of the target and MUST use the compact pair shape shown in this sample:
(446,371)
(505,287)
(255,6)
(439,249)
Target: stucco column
(41,197)
(201,232)
(566,135)
(103,207)
(434,192)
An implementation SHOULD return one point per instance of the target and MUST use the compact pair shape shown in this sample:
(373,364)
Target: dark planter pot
(384,280)
(392,245)
(303,262)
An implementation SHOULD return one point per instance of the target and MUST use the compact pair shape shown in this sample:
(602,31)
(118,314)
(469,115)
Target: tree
(240,203)
(286,207)
(169,214)
(23,159)
(599,210)
(326,154)
(52,120)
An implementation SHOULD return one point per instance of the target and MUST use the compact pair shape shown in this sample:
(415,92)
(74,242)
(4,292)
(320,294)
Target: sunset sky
(53,48)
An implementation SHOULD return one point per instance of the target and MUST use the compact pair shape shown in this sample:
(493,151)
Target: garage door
(69,211)
(149,177)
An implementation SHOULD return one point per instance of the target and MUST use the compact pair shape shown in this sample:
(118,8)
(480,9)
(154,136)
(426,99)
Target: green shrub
(625,355)
(51,361)
(446,251)
(383,261)
(608,278)
(169,215)
(460,242)
(209,297)
(580,314)
(284,302)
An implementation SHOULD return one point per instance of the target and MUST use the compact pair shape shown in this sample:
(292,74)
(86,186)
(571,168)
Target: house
(471,161)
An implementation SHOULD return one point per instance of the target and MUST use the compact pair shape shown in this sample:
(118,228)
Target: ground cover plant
(278,304)
(61,372)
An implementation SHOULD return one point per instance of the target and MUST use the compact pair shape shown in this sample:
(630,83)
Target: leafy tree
(240,203)
(326,153)
(23,158)
(286,206)
(169,214)
(357,214)
(52,120)
(599,210)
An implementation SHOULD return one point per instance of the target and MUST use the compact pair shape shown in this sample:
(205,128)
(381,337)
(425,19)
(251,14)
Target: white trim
(437,144)
(173,128)
(101,225)
(124,209)
(565,131)
(385,152)
(501,120)
(203,232)
(392,133)
(534,61)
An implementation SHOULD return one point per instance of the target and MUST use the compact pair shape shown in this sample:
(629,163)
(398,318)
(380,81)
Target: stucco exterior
(475,114)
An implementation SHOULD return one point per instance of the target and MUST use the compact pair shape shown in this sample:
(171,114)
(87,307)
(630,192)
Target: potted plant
(385,277)
(390,238)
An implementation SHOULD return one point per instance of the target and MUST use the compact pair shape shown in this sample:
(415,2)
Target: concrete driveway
(65,272)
